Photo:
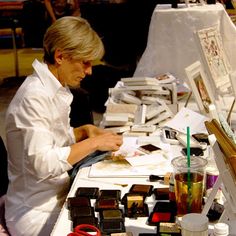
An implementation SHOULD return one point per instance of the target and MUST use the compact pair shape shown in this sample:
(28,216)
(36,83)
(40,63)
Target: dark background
(122,27)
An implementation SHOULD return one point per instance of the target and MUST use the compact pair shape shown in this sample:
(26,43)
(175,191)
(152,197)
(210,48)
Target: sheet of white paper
(137,163)
(129,147)
(111,169)
(150,159)
(186,117)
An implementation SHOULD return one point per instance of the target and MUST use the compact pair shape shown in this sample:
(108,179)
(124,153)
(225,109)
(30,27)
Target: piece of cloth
(88,161)
(3,168)
(39,136)
(3,229)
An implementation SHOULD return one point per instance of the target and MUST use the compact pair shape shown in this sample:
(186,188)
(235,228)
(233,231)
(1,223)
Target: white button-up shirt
(38,136)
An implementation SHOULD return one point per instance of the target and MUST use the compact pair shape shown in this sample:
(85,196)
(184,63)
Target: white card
(188,118)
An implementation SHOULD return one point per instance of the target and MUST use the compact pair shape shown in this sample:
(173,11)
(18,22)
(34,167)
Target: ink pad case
(156,217)
(147,234)
(135,206)
(167,206)
(78,202)
(102,204)
(144,189)
(90,192)
(126,195)
(139,212)
(91,220)
(166,228)
(162,212)
(81,211)
(108,194)
(108,227)
(137,199)
(161,193)
(111,215)
(122,234)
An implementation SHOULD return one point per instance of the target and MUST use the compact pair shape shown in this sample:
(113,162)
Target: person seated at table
(41,144)
(60,8)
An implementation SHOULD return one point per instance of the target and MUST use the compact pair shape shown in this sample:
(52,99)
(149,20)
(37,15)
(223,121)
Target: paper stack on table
(138,104)
(135,163)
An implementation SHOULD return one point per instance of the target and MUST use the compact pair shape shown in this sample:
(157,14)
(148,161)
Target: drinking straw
(189,164)
(188,146)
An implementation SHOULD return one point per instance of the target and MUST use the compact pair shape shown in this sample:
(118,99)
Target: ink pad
(161,193)
(90,192)
(147,234)
(156,217)
(138,199)
(126,195)
(91,220)
(122,234)
(108,227)
(78,202)
(101,204)
(169,228)
(141,189)
(81,211)
(111,215)
(107,193)
(167,206)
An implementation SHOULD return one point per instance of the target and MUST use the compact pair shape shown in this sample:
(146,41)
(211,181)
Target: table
(10,15)
(11,8)
(171,44)
(63,224)
(84,179)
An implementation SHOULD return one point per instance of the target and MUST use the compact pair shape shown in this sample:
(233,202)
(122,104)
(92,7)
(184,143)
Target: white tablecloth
(172,45)
(63,225)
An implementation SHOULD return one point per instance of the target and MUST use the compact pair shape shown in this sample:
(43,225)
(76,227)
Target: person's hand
(88,131)
(93,131)
(89,139)
(107,141)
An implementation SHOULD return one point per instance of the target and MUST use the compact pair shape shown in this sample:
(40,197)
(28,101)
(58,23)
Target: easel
(226,182)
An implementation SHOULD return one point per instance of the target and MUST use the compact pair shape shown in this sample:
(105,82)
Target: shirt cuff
(72,134)
(65,152)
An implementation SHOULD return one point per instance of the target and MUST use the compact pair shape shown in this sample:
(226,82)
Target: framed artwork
(199,85)
(217,64)
(232,77)
(224,149)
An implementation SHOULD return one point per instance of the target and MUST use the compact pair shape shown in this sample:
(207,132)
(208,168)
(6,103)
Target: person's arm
(93,139)
(49,8)
(87,131)
(76,7)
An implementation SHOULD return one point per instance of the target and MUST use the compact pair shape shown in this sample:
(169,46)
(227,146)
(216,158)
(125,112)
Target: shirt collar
(49,80)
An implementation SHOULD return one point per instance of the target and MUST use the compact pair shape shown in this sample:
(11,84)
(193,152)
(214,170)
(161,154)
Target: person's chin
(74,85)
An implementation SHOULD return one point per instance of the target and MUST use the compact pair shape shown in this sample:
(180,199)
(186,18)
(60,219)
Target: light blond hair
(75,38)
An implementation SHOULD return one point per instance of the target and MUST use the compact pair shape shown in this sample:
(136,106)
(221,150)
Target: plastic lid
(181,162)
(221,228)
(194,222)
(212,170)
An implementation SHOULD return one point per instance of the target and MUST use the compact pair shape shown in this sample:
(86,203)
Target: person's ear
(58,56)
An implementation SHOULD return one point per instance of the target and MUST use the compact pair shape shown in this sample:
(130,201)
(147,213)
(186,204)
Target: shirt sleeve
(46,135)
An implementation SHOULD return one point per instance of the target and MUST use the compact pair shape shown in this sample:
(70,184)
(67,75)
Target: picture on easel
(206,101)
(214,57)
(198,83)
